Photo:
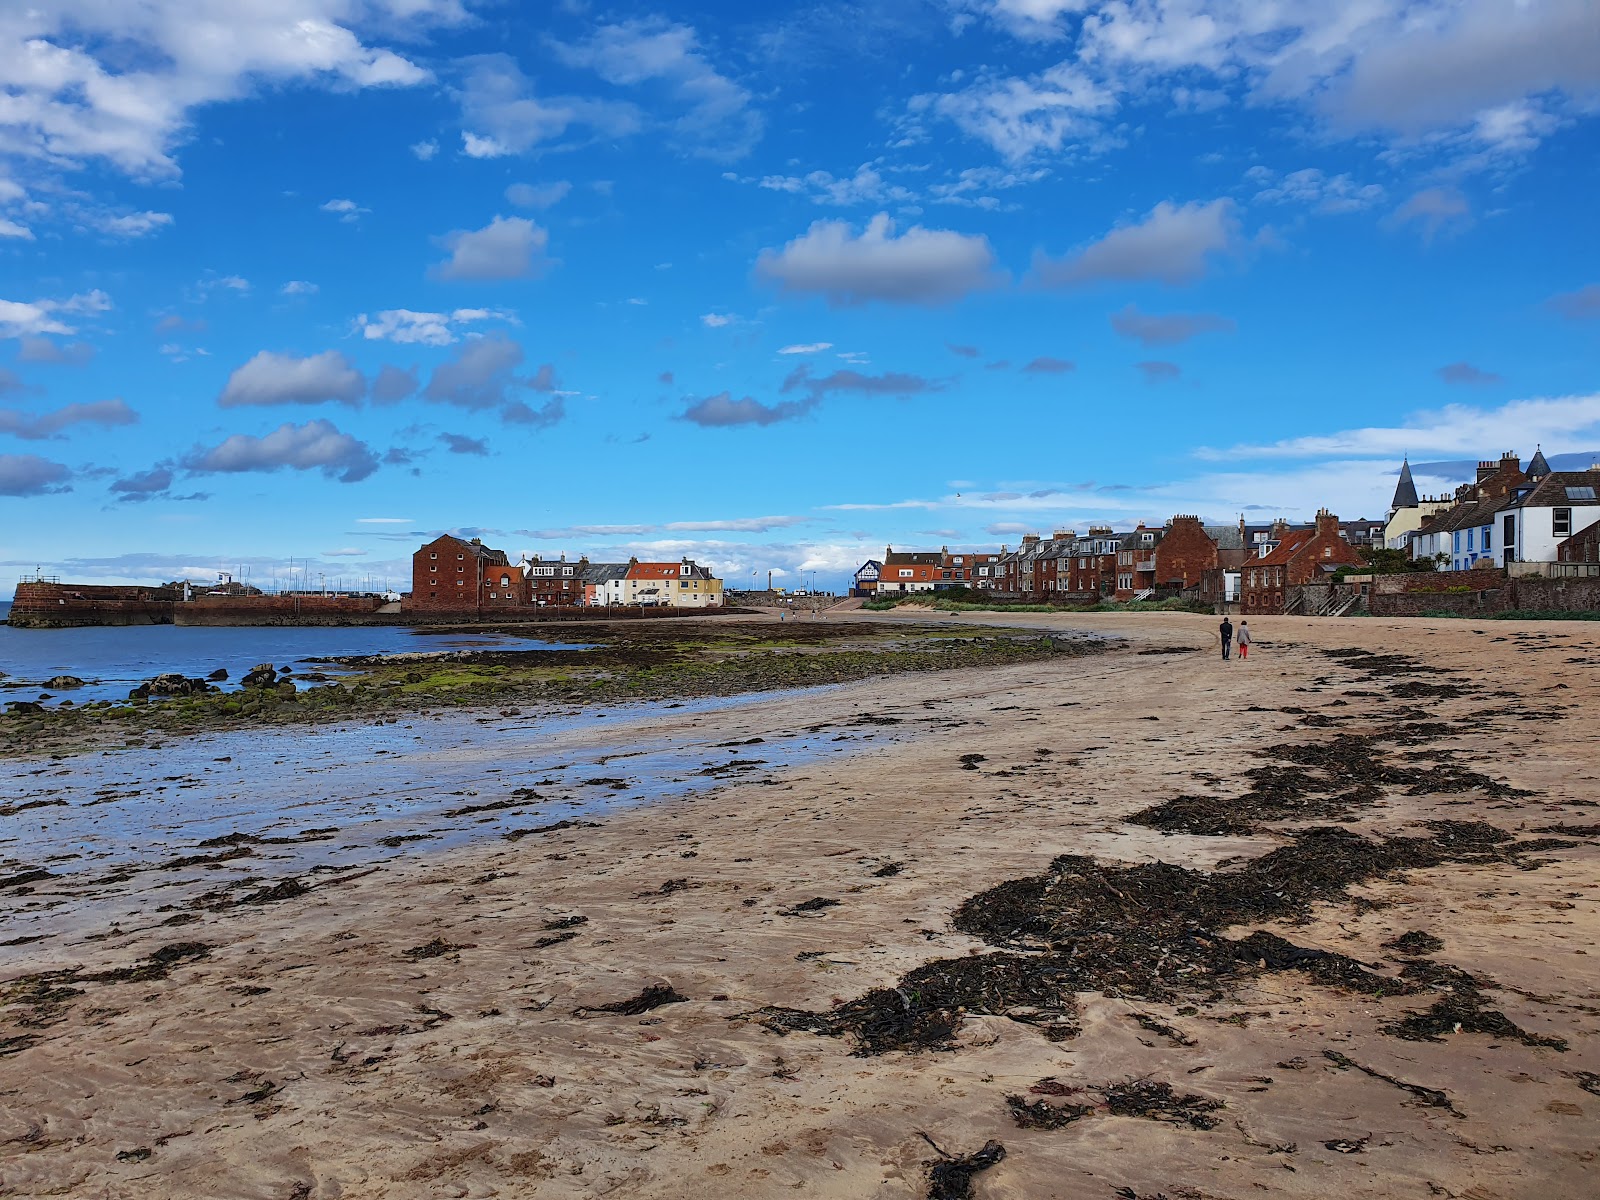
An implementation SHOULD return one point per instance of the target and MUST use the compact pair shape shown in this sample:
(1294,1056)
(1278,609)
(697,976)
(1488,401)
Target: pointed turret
(1538,468)
(1405,492)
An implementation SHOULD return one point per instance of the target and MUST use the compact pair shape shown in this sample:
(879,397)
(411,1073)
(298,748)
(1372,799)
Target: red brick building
(450,574)
(1301,556)
(555,583)
(1184,554)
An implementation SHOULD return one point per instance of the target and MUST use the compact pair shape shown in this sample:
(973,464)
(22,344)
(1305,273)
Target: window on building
(907,573)
(1580,493)
(433,554)
(461,556)
(1470,539)
(1561,522)
(1488,537)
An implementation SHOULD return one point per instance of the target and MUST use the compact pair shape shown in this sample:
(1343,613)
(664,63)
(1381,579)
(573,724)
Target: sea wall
(40,605)
(287,610)
(68,605)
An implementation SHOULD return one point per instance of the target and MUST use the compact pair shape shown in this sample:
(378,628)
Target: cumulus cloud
(424,151)
(1023,116)
(920,266)
(714,320)
(537,195)
(1434,211)
(458,443)
(505,248)
(1583,304)
(1167,329)
(30,475)
(298,287)
(712,115)
(20,318)
(38,426)
(43,350)
(1466,373)
(1045,365)
(483,375)
(1159,372)
(393,384)
(723,410)
(315,446)
(143,485)
(119,82)
(1173,244)
(271,378)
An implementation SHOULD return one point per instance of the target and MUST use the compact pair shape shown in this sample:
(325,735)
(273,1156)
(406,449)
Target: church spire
(1538,468)
(1405,492)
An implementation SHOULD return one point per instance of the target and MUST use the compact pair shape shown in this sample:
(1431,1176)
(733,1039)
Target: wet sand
(434,1027)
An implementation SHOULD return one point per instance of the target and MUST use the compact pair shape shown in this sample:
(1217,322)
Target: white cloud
(10,229)
(1021,117)
(920,266)
(722,410)
(714,116)
(1171,245)
(1456,430)
(713,320)
(421,328)
(298,287)
(425,150)
(133,225)
(806,348)
(314,446)
(271,378)
(118,82)
(1479,78)
(505,248)
(542,195)
(501,115)
(866,186)
(1328,194)
(347,211)
(31,318)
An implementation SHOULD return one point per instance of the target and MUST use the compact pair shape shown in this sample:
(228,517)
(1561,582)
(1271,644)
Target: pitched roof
(1551,491)
(913,558)
(1285,550)
(1405,492)
(1539,467)
(1227,537)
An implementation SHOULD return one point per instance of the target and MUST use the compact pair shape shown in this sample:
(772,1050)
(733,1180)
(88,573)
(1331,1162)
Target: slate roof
(1551,491)
(1405,492)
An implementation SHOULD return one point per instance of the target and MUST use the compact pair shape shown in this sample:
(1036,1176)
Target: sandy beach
(664,999)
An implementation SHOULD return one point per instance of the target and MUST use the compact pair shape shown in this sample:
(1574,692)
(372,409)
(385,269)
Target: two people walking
(1228,637)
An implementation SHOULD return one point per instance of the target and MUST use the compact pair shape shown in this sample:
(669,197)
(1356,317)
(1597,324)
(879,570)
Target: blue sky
(318,278)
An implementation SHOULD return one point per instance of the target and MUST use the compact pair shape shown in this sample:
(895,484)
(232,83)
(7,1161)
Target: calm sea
(113,659)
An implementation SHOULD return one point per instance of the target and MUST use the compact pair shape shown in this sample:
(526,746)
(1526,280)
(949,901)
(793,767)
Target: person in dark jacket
(1226,630)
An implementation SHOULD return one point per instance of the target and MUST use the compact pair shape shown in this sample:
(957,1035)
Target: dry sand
(309,1057)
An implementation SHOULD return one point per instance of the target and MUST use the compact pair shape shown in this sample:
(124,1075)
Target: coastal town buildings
(1299,557)
(451,573)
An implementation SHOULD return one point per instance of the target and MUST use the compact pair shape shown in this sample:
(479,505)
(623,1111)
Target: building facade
(452,574)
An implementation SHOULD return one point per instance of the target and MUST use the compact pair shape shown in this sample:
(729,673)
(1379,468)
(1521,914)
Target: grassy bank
(649,662)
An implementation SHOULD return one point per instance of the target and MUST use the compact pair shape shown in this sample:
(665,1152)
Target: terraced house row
(452,574)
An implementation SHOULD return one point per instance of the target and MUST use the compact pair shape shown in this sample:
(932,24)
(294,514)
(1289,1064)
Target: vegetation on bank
(1522,614)
(652,662)
(972,600)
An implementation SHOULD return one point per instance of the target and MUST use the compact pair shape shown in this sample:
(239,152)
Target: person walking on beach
(1244,639)
(1226,630)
